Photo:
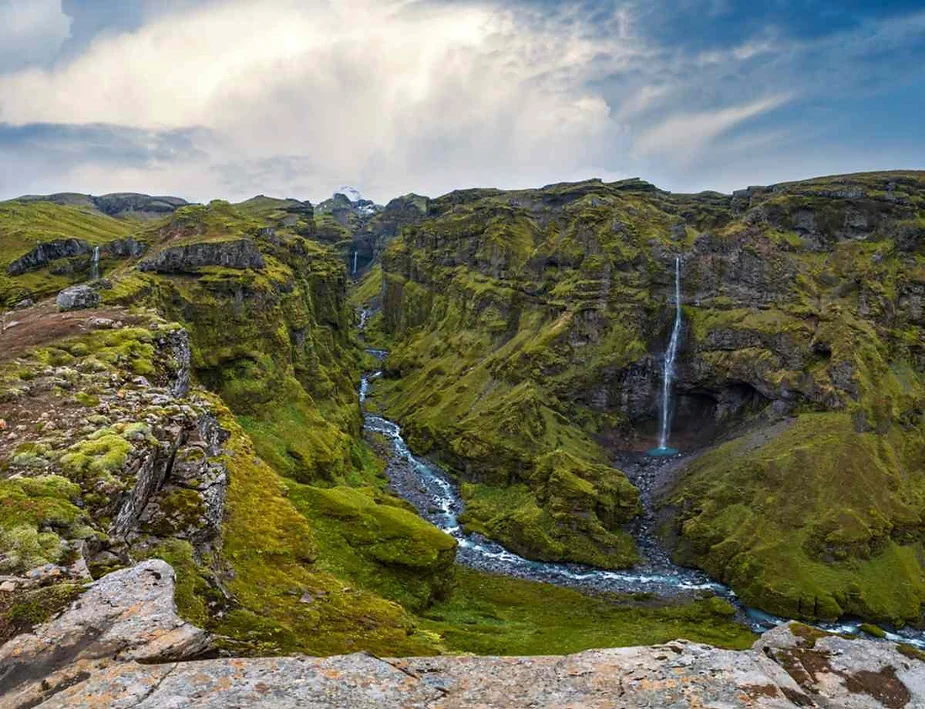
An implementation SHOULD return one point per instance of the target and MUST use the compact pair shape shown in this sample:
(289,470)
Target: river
(436,498)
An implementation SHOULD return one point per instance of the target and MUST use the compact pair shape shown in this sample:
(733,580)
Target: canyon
(423,429)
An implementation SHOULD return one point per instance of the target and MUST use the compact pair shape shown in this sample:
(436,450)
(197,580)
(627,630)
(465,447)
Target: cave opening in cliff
(701,416)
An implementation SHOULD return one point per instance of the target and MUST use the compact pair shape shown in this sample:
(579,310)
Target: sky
(293,98)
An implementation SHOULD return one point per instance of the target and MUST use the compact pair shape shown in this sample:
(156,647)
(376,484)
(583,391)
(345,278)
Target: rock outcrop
(189,258)
(121,644)
(46,252)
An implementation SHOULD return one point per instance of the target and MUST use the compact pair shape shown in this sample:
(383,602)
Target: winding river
(435,497)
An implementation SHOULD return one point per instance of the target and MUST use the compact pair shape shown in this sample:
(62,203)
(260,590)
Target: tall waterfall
(355,262)
(95,264)
(668,369)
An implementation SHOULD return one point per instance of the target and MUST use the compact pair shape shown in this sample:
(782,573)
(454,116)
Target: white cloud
(31,31)
(682,137)
(382,93)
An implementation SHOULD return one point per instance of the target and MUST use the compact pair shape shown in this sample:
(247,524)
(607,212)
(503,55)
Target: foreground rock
(100,653)
(126,615)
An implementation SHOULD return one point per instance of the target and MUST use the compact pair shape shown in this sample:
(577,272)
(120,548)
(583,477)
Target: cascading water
(355,263)
(95,264)
(668,365)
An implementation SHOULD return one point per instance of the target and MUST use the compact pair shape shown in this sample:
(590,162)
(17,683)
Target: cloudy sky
(230,98)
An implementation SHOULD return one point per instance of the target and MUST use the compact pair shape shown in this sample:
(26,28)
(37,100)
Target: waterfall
(668,366)
(95,264)
(355,263)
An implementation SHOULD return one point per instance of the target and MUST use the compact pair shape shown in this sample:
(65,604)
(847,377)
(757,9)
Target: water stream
(436,498)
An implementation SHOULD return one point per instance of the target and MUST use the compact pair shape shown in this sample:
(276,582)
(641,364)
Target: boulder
(128,615)
(78,298)
(239,254)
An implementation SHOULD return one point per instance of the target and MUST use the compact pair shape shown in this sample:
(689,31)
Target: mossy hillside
(808,294)
(285,602)
(379,542)
(817,522)
(489,308)
(274,343)
(24,225)
(499,433)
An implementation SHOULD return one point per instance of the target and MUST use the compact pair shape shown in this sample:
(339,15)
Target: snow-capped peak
(351,193)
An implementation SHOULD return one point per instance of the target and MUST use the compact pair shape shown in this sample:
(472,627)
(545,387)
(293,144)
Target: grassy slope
(24,225)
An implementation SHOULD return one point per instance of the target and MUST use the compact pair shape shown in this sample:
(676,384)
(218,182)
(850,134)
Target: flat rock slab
(676,675)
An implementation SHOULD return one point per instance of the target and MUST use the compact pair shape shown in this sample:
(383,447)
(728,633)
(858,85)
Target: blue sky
(229,98)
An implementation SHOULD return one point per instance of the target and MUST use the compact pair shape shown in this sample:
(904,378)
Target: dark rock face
(124,248)
(238,254)
(78,298)
(47,252)
(371,239)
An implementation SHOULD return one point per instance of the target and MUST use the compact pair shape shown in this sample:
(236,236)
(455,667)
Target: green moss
(296,440)
(873,630)
(85,399)
(496,615)
(21,611)
(513,516)
(372,539)
(911,651)
(29,509)
(287,603)
(104,454)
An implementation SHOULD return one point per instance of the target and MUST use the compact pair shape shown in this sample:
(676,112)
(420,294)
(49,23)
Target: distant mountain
(117,204)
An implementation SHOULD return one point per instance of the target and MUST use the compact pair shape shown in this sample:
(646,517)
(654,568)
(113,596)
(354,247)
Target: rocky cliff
(527,329)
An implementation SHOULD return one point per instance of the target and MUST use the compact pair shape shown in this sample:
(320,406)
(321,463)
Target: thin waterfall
(95,264)
(668,368)
(355,262)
